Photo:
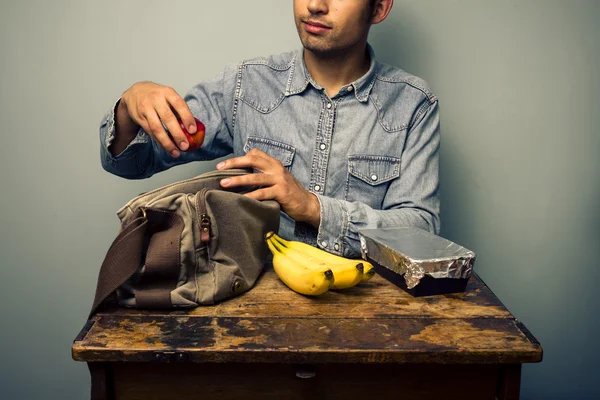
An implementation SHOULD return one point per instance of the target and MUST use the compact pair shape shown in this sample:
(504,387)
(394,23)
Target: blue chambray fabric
(370,153)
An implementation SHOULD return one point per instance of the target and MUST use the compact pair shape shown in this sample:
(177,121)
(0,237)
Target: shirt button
(350,88)
(336,246)
(323,146)
(328,105)
(324,243)
(373,177)
(317,188)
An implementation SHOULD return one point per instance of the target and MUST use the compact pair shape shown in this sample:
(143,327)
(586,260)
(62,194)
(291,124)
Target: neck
(332,71)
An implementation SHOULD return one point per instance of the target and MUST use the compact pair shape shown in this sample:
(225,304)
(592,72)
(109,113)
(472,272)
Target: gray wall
(517,82)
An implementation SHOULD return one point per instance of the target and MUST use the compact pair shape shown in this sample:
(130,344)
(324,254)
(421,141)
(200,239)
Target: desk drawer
(154,381)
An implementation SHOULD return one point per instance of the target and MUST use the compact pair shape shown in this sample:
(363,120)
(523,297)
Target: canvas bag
(187,244)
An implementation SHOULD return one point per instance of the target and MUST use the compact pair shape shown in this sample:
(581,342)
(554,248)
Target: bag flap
(209,180)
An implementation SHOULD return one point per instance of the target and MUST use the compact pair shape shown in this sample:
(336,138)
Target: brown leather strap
(121,261)
(161,265)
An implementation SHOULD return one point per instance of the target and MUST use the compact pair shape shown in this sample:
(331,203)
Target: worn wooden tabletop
(375,322)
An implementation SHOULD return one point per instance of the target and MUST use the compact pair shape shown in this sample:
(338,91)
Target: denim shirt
(369,153)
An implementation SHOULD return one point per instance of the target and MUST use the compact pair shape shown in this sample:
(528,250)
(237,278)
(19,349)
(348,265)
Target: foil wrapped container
(416,260)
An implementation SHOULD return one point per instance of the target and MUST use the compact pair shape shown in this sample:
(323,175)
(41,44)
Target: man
(341,141)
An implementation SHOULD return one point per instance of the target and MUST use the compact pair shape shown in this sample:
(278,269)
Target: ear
(381,10)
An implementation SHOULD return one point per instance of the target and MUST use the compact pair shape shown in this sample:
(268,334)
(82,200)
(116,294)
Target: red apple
(195,140)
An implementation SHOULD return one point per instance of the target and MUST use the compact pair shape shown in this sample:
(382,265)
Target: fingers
(155,129)
(275,183)
(261,194)
(182,110)
(155,107)
(254,159)
(250,180)
(170,120)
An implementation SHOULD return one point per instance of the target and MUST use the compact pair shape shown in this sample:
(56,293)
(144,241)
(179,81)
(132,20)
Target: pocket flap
(374,170)
(280,151)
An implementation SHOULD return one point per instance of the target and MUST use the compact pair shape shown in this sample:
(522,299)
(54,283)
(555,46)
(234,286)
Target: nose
(318,6)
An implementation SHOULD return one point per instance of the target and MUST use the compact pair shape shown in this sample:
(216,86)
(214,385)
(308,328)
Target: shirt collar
(299,77)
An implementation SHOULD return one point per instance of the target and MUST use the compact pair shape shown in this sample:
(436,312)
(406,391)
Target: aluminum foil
(415,253)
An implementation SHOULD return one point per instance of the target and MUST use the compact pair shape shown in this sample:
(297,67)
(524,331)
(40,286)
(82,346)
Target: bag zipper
(203,218)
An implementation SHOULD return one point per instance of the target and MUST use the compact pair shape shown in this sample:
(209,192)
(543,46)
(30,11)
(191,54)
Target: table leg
(101,375)
(509,382)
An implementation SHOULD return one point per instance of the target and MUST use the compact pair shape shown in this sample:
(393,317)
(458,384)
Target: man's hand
(276,183)
(146,104)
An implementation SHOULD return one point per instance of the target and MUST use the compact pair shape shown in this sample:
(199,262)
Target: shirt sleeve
(411,200)
(211,102)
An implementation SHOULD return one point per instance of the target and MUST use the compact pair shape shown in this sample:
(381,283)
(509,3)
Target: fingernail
(221,165)
(183,145)
(175,153)
(225,182)
(192,129)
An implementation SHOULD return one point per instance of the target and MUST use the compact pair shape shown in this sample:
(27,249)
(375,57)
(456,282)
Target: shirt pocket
(369,178)
(278,150)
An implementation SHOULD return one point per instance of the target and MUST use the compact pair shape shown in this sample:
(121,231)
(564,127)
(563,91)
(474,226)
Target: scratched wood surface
(375,322)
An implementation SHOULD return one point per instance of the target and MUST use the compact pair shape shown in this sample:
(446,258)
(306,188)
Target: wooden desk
(271,343)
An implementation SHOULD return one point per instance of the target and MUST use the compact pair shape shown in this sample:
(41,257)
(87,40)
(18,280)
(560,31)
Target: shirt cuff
(333,225)
(141,137)
(128,163)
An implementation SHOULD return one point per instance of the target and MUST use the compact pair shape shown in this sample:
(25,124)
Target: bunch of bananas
(311,271)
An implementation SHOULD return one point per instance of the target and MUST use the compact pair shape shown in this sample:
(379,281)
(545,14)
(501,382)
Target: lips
(317,24)
(315,27)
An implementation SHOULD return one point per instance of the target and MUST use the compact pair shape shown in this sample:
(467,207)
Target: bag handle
(161,263)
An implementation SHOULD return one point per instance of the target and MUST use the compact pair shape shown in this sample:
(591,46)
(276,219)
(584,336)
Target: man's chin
(317,48)
(325,52)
